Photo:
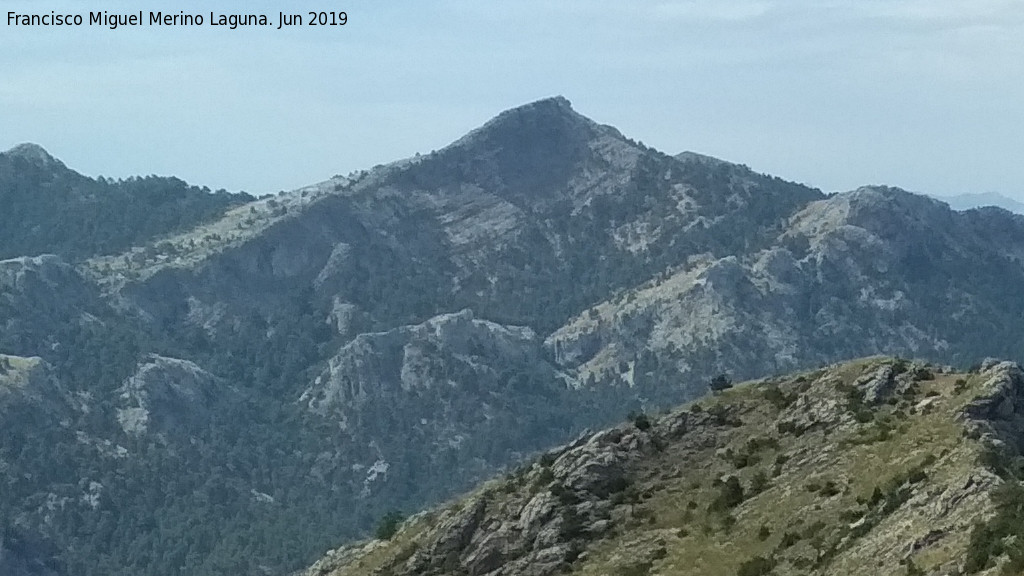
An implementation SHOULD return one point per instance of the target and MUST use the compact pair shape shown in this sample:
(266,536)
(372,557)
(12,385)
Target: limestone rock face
(851,275)
(998,412)
(167,395)
(536,533)
(878,386)
(46,285)
(455,388)
(30,385)
(33,153)
(423,357)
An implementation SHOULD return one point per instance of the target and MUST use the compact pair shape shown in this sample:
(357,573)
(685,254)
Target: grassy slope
(846,489)
(855,459)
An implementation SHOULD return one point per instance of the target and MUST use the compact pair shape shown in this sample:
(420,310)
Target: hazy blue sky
(923,94)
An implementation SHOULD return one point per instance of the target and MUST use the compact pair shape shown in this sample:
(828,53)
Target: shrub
(759,482)
(729,496)
(565,495)
(777,398)
(728,523)
(388,525)
(788,539)
(788,427)
(744,459)
(757,444)
(863,415)
(876,497)
(572,526)
(922,373)
(720,383)
(756,566)
(829,489)
(983,545)
(641,421)
(913,569)
(899,366)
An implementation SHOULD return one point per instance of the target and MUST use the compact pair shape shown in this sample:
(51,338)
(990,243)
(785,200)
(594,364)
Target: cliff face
(419,399)
(869,466)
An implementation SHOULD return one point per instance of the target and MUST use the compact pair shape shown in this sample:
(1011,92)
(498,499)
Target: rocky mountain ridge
(282,372)
(870,466)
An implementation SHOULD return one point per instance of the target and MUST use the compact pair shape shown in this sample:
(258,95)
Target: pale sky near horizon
(927,95)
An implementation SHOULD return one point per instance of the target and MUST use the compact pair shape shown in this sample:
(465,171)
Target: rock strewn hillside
(871,270)
(874,466)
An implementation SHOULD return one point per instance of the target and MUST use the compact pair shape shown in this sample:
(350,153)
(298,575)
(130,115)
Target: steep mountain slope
(48,208)
(875,466)
(36,412)
(533,216)
(870,270)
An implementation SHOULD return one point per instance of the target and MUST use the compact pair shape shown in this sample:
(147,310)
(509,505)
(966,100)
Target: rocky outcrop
(29,385)
(47,283)
(997,413)
(454,392)
(451,350)
(169,396)
(556,506)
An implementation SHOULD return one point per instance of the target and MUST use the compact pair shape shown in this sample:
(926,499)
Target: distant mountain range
(969,201)
(206,383)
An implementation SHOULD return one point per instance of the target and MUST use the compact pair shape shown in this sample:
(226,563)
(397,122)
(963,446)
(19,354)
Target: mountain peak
(553,104)
(530,151)
(33,153)
(543,118)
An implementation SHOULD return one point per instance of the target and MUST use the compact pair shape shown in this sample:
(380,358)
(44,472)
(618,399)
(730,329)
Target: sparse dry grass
(839,499)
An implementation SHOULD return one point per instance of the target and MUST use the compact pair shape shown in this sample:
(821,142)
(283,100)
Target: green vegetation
(756,566)
(640,420)
(50,209)
(389,525)
(720,383)
(1004,533)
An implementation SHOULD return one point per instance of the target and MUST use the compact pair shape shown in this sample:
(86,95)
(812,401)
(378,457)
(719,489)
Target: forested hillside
(50,209)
